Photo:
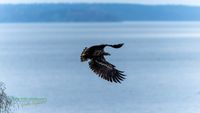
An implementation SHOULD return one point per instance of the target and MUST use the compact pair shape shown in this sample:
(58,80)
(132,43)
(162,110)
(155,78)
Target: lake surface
(161,61)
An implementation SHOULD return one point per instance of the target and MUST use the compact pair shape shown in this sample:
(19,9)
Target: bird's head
(84,55)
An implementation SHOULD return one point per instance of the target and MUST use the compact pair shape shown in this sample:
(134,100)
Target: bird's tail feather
(116,45)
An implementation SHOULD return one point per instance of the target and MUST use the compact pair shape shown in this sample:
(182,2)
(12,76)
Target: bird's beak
(83,57)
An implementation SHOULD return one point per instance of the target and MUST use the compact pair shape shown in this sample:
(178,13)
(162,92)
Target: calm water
(161,61)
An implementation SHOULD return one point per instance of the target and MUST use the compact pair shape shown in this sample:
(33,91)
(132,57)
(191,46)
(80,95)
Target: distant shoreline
(185,22)
(95,12)
(98,3)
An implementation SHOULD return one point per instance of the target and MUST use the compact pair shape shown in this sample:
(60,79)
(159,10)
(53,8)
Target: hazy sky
(185,2)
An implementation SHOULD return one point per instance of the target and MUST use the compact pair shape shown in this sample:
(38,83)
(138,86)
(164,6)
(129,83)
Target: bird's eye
(83,54)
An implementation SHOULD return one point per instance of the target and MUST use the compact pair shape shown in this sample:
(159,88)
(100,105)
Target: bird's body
(99,64)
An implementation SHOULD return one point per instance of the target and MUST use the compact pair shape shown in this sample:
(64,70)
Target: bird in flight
(99,65)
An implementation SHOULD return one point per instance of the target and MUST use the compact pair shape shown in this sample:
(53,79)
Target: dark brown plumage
(99,65)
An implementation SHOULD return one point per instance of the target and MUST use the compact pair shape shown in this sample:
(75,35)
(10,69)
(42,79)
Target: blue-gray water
(161,61)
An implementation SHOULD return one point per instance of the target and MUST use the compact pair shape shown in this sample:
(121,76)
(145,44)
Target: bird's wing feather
(106,70)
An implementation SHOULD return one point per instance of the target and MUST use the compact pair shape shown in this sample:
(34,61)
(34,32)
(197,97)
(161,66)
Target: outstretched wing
(106,70)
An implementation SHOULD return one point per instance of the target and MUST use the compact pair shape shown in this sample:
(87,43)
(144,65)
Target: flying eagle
(99,65)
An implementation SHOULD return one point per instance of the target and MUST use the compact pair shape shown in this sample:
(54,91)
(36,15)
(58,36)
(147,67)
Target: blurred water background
(161,61)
